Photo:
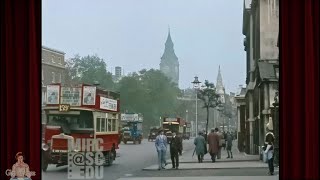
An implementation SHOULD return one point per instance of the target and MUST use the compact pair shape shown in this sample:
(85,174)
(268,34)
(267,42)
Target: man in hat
(53,98)
(213,141)
(221,142)
(161,146)
(175,150)
(88,99)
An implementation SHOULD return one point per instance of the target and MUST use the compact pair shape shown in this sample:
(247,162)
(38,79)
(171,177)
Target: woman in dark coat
(200,143)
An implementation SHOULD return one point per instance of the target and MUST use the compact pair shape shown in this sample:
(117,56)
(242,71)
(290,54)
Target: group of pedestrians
(175,149)
(215,141)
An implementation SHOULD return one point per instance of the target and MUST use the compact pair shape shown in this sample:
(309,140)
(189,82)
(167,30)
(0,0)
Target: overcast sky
(132,34)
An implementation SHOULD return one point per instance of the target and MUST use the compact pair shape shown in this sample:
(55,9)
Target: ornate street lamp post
(196,84)
(187,115)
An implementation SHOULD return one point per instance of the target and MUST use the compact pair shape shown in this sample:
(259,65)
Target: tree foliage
(209,97)
(151,93)
(87,70)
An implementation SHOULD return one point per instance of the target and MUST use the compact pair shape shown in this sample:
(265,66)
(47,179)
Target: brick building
(53,69)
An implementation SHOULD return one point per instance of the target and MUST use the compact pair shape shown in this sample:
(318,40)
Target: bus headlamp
(45,147)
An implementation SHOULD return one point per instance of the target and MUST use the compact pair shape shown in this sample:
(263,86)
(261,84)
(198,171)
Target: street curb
(203,168)
(248,155)
(209,161)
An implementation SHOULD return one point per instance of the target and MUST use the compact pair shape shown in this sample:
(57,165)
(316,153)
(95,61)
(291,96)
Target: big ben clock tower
(169,64)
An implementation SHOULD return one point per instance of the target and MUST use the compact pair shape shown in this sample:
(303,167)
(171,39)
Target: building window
(59,60)
(114,124)
(53,77)
(52,59)
(98,125)
(103,125)
(109,125)
(59,77)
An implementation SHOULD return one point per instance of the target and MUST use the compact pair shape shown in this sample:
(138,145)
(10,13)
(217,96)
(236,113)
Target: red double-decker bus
(173,124)
(79,115)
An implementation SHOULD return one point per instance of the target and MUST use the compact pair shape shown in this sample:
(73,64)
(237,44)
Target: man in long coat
(200,143)
(221,142)
(213,141)
(175,150)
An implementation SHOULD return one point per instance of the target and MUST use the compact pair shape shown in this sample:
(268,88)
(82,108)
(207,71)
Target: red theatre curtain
(299,89)
(20,83)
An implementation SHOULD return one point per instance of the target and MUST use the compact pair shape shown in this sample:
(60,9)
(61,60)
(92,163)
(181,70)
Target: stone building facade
(53,66)
(261,28)
(241,117)
(53,69)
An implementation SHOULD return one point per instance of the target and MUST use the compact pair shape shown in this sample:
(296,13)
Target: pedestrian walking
(229,139)
(269,153)
(225,140)
(221,142)
(175,150)
(201,145)
(213,141)
(161,146)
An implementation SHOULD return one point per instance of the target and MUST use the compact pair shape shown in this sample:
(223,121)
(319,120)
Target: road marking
(127,175)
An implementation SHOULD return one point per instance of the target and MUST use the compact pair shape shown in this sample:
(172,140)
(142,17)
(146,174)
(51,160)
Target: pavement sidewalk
(206,178)
(237,156)
(189,162)
(239,160)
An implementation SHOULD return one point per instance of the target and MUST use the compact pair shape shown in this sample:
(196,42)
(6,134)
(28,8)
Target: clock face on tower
(165,69)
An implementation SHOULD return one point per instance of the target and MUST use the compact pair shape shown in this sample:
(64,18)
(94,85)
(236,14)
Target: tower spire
(169,40)
(169,61)
(219,84)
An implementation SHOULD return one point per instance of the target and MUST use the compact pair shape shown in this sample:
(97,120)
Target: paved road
(132,159)
(202,172)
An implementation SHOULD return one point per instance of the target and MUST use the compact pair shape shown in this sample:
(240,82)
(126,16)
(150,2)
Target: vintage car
(153,133)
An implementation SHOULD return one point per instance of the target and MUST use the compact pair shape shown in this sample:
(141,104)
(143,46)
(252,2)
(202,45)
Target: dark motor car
(153,134)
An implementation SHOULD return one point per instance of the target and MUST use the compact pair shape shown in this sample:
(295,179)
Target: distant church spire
(219,85)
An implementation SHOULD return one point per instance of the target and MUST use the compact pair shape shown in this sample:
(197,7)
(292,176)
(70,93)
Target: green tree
(87,70)
(148,92)
(209,97)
